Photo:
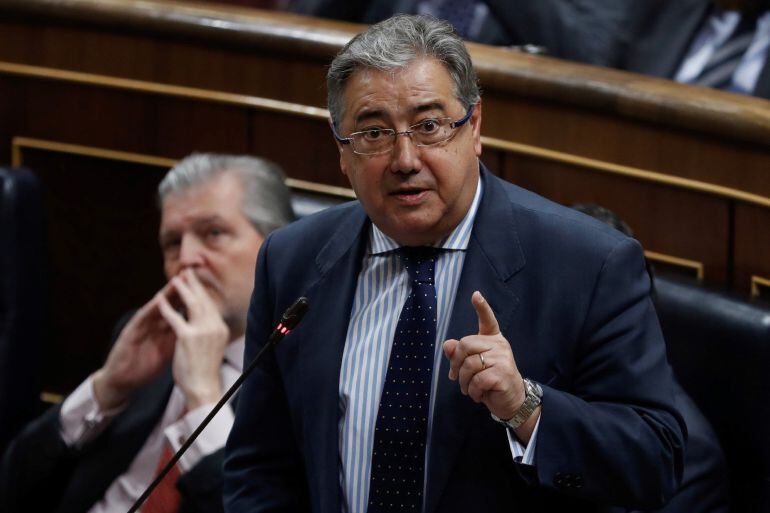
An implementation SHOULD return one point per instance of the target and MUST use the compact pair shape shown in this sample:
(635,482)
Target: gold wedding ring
(483,364)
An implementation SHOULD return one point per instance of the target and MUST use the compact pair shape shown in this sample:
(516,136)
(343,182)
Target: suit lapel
(494,255)
(331,299)
(121,443)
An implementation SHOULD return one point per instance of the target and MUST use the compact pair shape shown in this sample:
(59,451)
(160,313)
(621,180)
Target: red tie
(165,498)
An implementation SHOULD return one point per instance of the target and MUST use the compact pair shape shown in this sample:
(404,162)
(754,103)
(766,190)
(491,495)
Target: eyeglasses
(428,132)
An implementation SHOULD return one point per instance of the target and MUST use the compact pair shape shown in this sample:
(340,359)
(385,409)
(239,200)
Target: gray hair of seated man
(266,201)
(393,44)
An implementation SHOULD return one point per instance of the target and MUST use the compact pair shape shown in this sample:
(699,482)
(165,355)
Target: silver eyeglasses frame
(390,132)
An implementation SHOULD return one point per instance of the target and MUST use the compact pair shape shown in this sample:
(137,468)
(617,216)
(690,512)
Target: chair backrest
(307,203)
(23,301)
(719,348)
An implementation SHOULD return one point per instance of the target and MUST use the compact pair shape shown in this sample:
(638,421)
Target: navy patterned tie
(719,70)
(398,456)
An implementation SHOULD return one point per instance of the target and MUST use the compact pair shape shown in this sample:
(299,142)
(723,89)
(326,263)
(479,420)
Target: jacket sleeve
(614,436)
(201,486)
(37,460)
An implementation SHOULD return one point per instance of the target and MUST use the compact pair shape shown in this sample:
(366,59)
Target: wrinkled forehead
(217,198)
(422,82)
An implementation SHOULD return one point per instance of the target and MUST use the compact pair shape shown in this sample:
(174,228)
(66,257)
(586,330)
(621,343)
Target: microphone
(289,320)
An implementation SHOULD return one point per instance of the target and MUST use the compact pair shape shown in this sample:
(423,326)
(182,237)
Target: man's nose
(405,157)
(191,252)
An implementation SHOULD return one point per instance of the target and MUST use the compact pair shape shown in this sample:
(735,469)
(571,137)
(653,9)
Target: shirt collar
(380,243)
(234,353)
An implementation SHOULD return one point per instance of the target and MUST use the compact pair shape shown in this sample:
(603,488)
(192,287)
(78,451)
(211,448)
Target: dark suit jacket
(41,474)
(572,298)
(663,42)
(590,31)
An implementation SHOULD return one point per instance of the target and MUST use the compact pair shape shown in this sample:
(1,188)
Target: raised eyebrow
(367,115)
(203,221)
(428,107)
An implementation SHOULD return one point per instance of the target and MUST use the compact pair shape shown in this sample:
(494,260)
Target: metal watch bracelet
(532,399)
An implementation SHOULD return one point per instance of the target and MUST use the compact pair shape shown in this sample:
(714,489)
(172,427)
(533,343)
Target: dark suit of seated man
(171,361)
(723,44)
(470,346)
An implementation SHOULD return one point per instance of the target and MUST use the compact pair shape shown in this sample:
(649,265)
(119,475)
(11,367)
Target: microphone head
(295,313)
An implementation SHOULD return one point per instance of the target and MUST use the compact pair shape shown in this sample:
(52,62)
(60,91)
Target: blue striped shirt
(382,289)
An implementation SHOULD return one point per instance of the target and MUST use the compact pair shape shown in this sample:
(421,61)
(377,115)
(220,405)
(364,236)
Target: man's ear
(476,125)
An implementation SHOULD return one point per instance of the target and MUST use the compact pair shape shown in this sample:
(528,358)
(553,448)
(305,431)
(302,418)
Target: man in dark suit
(170,362)
(716,43)
(470,346)
(590,31)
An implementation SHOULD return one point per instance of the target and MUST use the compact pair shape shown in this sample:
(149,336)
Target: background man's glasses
(428,132)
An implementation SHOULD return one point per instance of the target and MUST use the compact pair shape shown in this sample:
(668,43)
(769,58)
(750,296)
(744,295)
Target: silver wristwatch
(532,399)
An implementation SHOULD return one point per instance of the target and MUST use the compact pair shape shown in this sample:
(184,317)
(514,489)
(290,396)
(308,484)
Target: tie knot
(420,262)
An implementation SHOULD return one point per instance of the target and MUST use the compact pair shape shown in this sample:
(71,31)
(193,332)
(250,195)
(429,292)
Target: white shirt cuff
(81,419)
(211,439)
(521,453)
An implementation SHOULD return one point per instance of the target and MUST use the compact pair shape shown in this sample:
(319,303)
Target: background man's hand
(201,339)
(495,380)
(142,351)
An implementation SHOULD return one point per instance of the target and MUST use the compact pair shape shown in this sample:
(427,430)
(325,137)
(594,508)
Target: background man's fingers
(186,295)
(194,282)
(487,321)
(173,318)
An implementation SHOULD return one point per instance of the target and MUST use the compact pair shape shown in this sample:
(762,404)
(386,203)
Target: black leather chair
(23,303)
(719,347)
(307,203)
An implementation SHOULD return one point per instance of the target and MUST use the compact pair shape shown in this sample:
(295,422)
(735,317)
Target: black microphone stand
(290,319)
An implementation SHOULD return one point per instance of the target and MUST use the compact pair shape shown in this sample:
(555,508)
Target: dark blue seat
(23,300)
(719,347)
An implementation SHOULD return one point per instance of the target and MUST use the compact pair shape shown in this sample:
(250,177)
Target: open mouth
(411,195)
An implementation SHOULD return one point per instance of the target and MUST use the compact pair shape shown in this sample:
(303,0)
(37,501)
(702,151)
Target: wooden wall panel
(610,138)
(123,120)
(666,220)
(752,248)
(103,254)
(303,146)
(170,60)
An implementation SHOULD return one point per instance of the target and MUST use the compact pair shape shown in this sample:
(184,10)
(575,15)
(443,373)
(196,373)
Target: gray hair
(393,44)
(266,200)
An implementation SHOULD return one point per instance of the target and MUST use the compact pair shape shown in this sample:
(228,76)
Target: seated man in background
(704,480)
(714,43)
(590,31)
(171,362)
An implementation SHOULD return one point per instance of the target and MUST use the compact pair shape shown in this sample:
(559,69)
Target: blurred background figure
(170,363)
(590,31)
(714,43)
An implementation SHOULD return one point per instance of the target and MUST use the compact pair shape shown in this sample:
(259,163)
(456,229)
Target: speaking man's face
(203,228)
(416,195)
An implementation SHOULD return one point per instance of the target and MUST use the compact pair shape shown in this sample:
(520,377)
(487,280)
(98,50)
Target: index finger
(487,320)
